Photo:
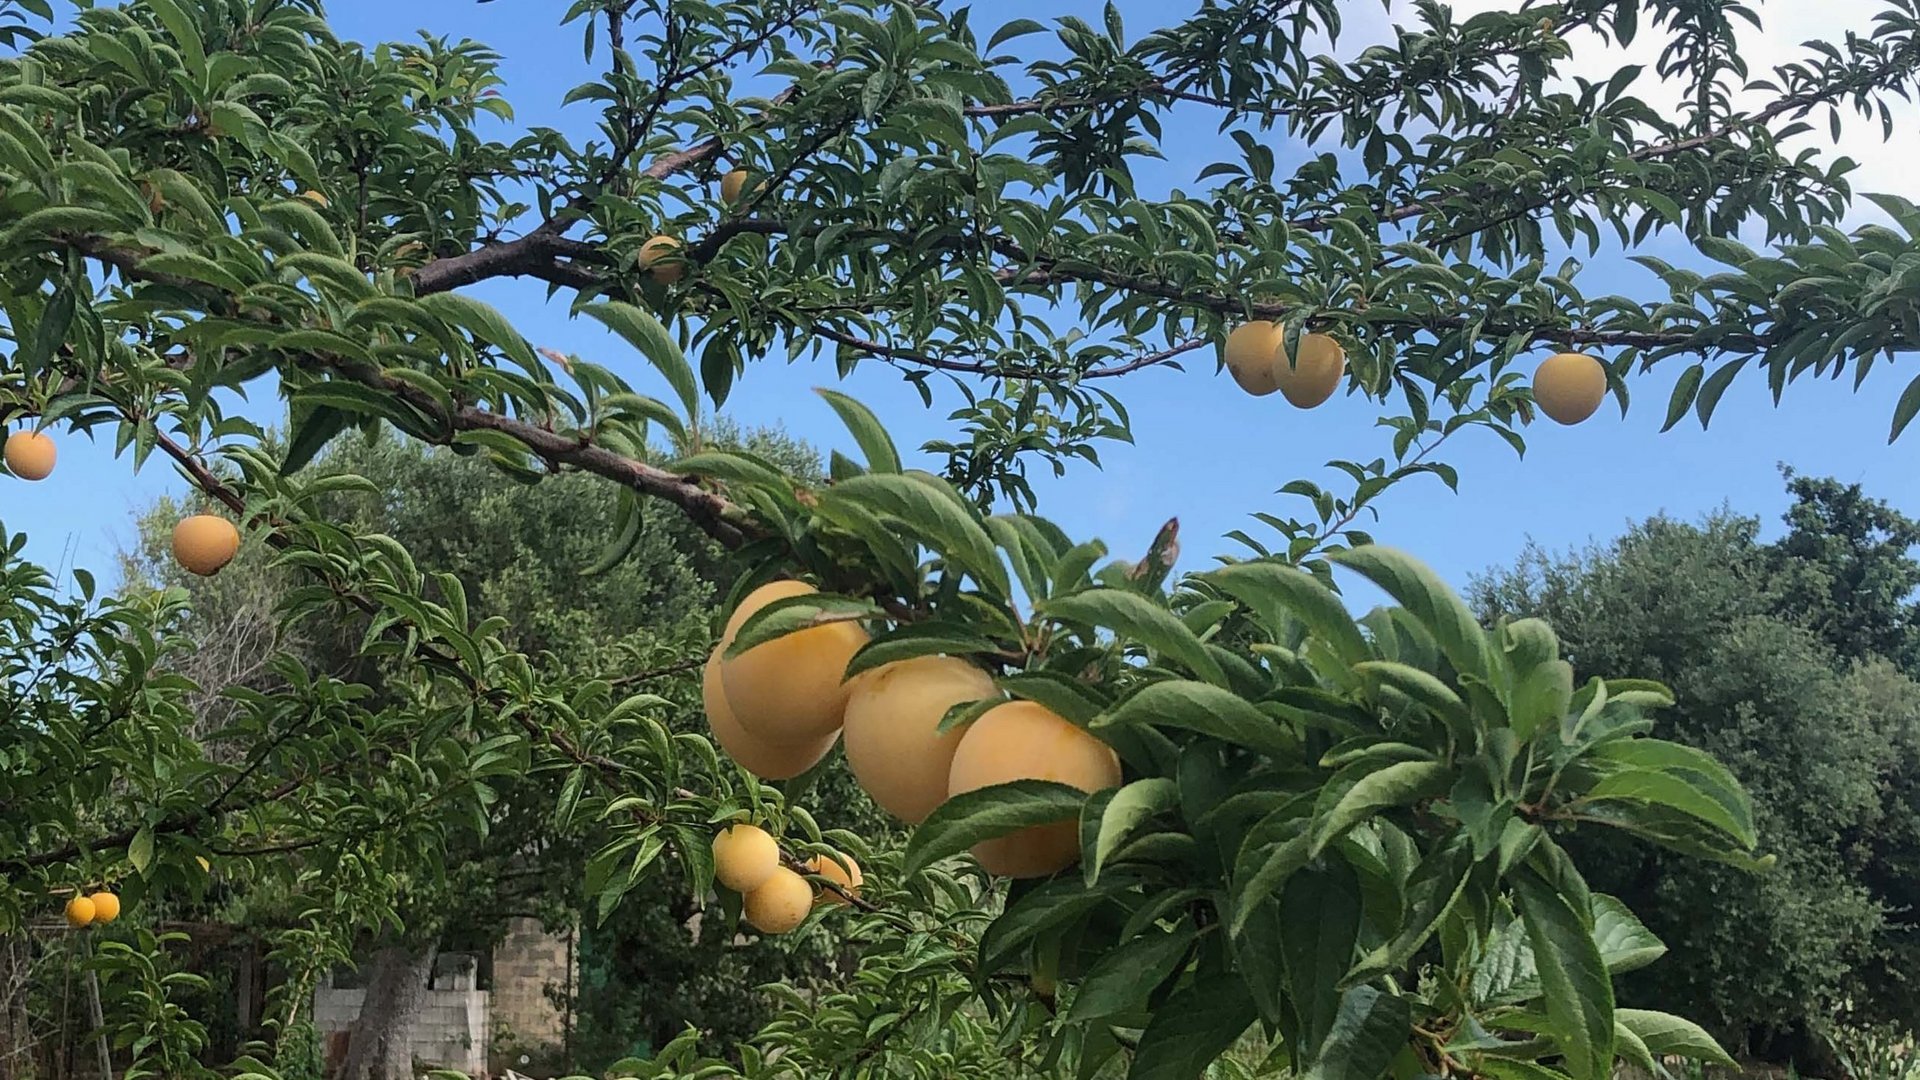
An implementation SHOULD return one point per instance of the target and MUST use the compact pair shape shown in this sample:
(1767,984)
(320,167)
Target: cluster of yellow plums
(775,898)
(85,910)
(203,543)
(779,707)
(1567,386)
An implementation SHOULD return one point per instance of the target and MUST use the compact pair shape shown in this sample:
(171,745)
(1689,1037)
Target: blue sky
(1204,452)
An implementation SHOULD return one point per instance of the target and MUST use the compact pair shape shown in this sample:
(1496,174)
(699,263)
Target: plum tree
(1239,756)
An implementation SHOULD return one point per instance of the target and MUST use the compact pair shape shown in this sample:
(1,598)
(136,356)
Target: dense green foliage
(1791,662)
(217,196)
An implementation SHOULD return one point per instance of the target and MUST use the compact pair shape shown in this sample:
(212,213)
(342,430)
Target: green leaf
(1013,29)
(1120,814)
(1123,978)
(1210,710)
(1401,784)
(1436,884)
(1043,909)
(970,817)
(1573,978)
(484,322)
(48,333)
(792,614)
(1674,791)
(649,409)
(312,431)
(867,431)
(1425,689)
(193,267)
(1624,941)
(185,33)
(1904,411)
(140,850)
(1683,393)
(1326,898)
(938,518)
(1368,1031)
(1433,605)
(1272,590)
(911,640)
(1191,1029)
(1670,1036)
(629,524)
(1138,619)
(645,333)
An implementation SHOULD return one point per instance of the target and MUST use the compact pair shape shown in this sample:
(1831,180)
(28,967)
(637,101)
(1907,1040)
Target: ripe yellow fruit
(768,761)
(1252,351)
(1318,366)
(734,184)
(30,455)
(315,198)
(744,857)
(79,912)
(780,903)
(658,259)
(1024,741)
(789,691)
(894,745)
(204,543)
(846,876)
(1569,387)
(106,907)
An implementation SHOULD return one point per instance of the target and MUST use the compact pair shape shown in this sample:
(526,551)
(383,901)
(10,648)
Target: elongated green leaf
(1137,618)
(140,851)
(1047,908)
(867,430)
(1210,710)
(792,614)
(185,33)
(1674,791)
(938,517)
(1368,1031)
(1682,760)
(1272,590)
(1326,898)
(968,818)
(1123,978)
(1436,885)
(1428,599)
(1422,687)
(911,640)
(195,267)
(1666,1035)
(629,524)
(649,409)
(1573,978)
(1193,1028)
(313,429)
(1401,784)
(484,322)
(1120,814)
(1261,873)
(644,332)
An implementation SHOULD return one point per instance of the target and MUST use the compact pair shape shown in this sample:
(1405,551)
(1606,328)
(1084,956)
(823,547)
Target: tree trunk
(379,1048)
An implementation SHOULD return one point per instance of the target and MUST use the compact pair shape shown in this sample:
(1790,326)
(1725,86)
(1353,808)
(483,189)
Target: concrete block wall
(525,964)
(452,1031)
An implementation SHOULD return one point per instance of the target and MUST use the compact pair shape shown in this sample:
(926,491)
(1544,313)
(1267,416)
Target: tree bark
(379,1048)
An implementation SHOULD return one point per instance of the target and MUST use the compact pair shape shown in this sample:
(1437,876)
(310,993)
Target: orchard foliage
(1342,831)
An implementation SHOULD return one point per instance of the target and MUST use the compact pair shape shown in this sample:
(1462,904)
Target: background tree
(1782,659)
(652,968)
